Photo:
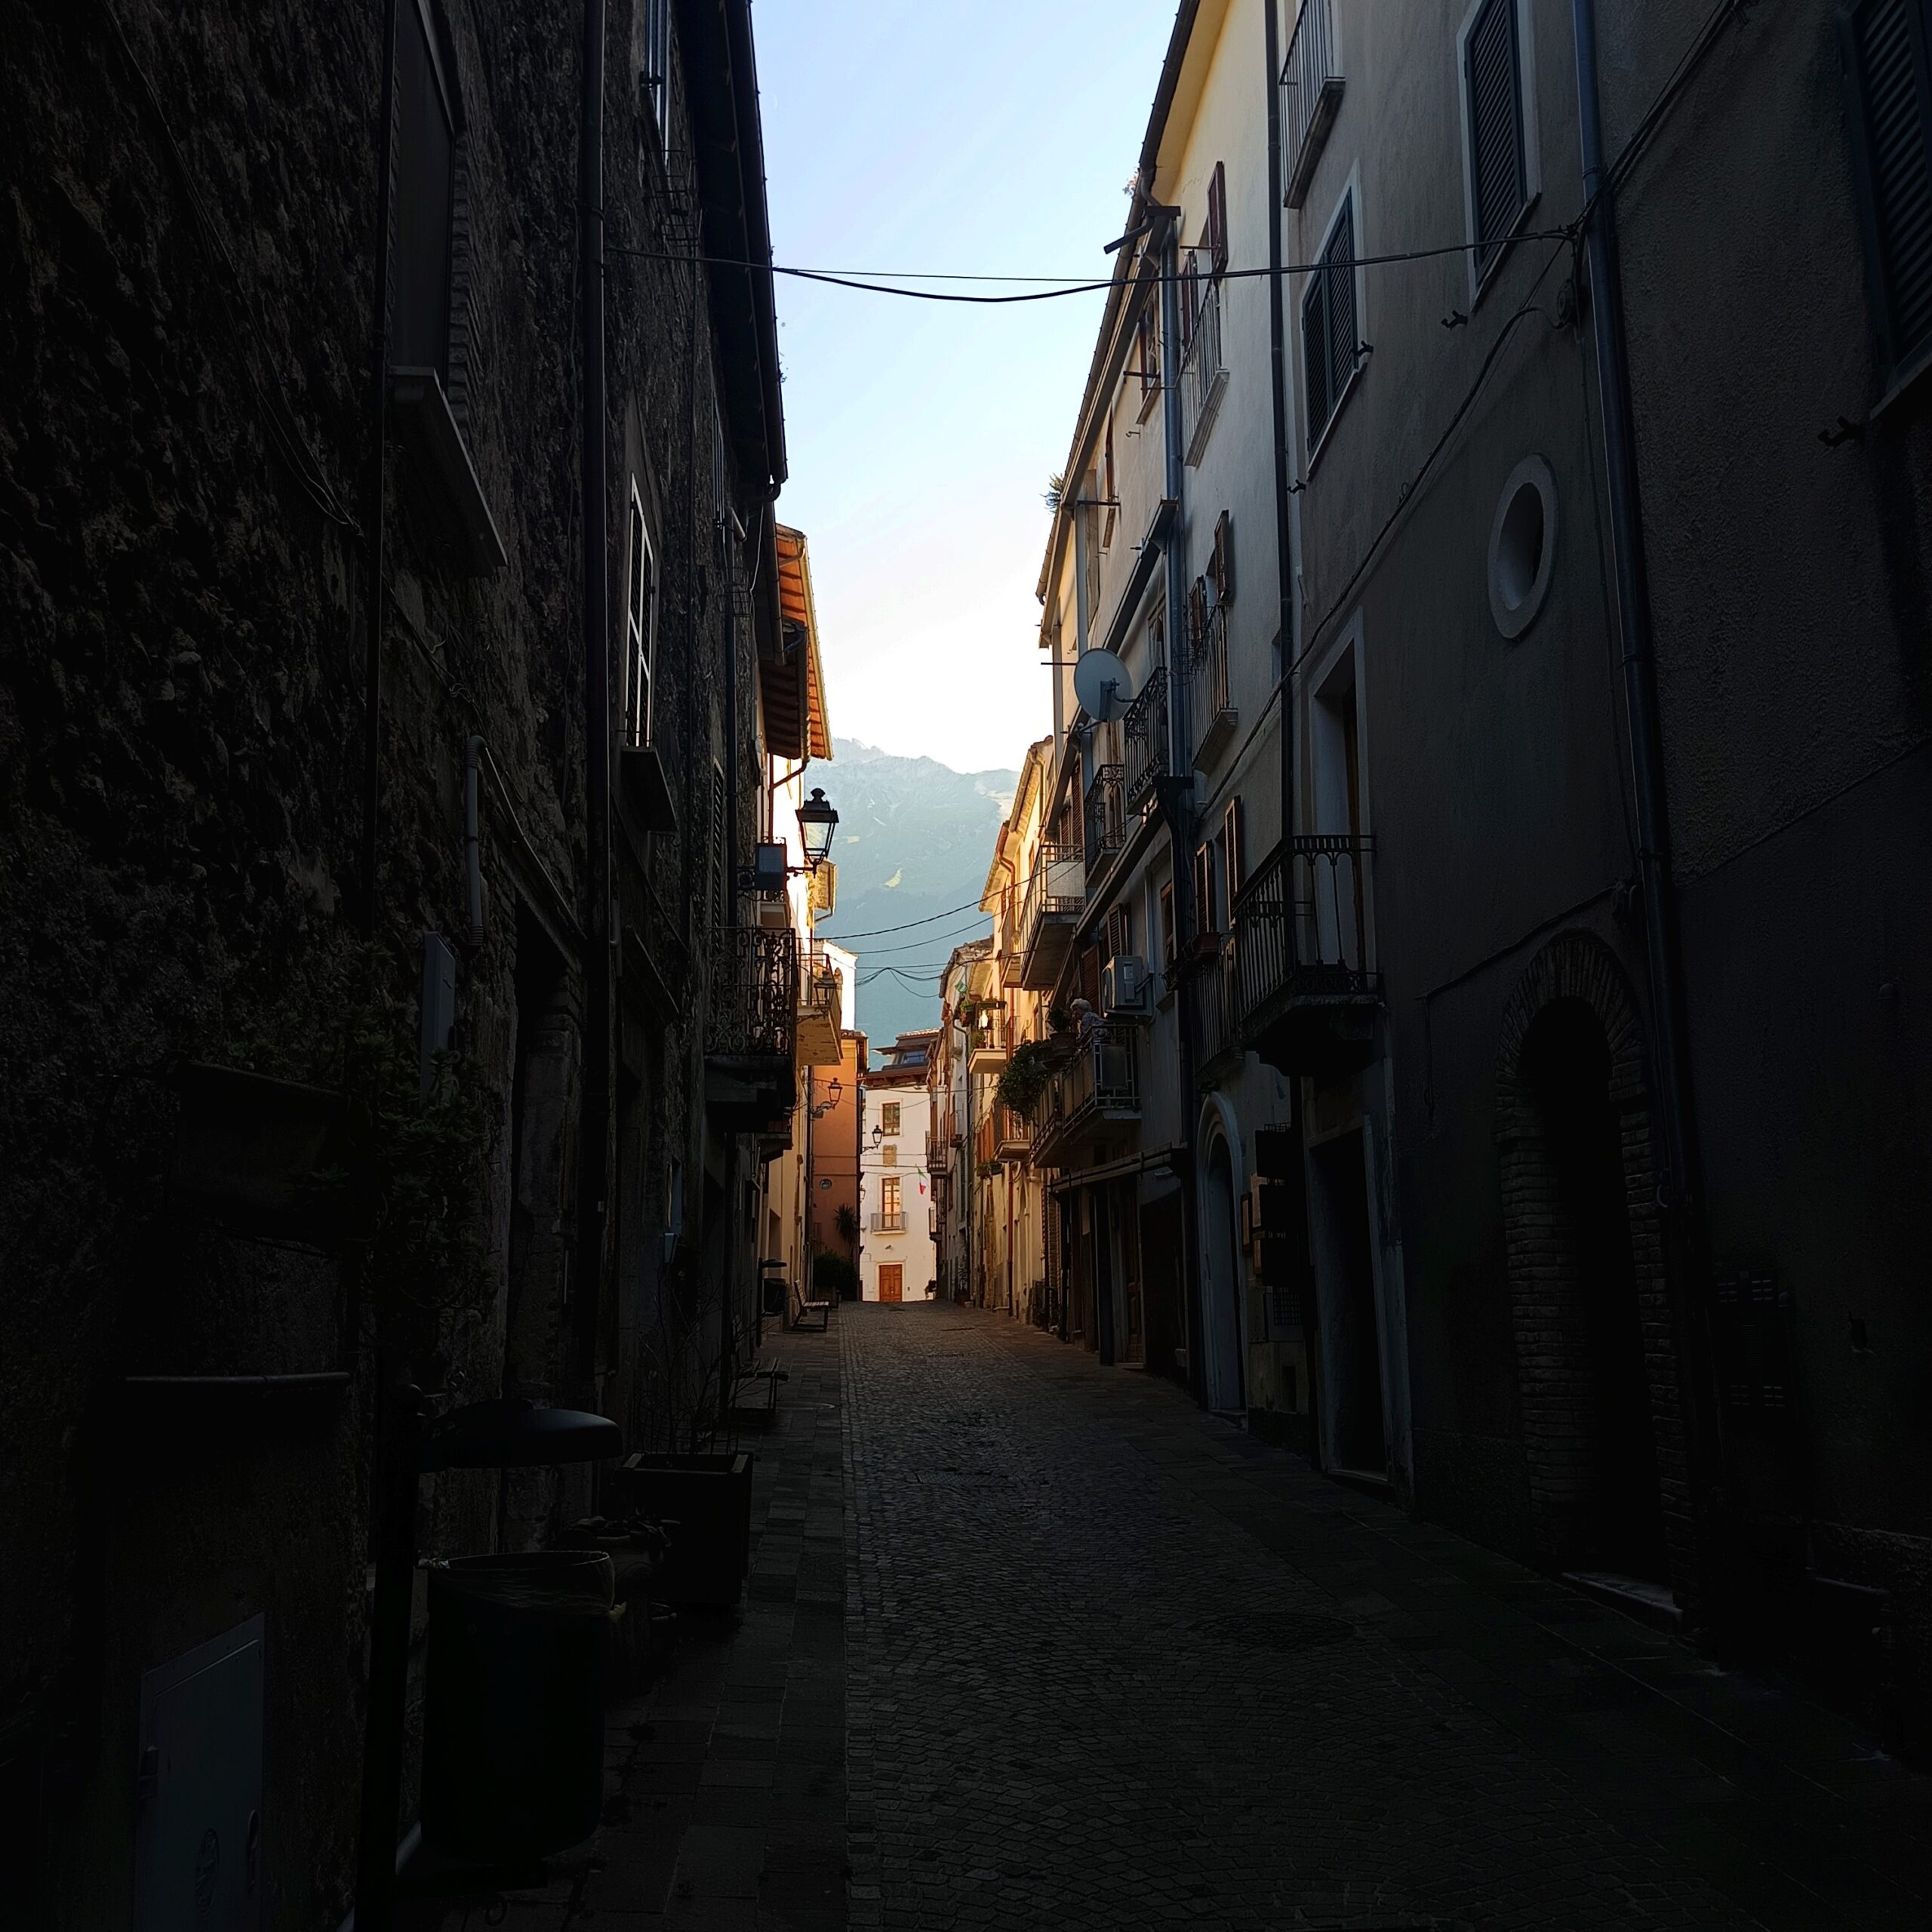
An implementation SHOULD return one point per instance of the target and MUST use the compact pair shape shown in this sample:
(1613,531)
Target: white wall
(915,1251)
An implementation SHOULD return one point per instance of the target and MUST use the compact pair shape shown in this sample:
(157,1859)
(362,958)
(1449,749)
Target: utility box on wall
(198,1829)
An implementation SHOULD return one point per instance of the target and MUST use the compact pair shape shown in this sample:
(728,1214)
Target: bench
(804,1307)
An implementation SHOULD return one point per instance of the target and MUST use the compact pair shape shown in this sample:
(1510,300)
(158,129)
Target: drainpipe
(593,1155)
(1277,382)
(1179,790)
(472,840)
(376,508)
(1679,1191)
(1665,958)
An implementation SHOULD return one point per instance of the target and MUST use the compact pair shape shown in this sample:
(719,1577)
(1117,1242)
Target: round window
(1522,545)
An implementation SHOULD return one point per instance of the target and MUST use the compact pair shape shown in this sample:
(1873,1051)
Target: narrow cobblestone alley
(1114,1664)
(1099,1660)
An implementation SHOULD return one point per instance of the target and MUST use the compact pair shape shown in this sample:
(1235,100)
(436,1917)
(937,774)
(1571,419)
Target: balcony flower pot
(705,1502)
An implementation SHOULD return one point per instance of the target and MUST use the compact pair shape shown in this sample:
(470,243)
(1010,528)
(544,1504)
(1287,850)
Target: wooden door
(892,1281)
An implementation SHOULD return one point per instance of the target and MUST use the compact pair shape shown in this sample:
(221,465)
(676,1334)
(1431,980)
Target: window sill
(426,424)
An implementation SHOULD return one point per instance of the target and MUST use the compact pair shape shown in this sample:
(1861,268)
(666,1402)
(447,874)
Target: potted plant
(1023,1079)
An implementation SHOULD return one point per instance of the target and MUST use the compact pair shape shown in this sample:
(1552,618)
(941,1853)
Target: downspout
(472,840)
(593,1151)
(1178,790)
(376,509)
(1679,1188)
(1278,378)
(1664,956)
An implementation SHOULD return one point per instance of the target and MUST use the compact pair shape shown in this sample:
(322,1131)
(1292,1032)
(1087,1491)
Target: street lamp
(817,821)
(832,1091)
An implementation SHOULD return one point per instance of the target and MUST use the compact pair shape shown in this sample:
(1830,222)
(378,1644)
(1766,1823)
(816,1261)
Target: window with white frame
(888,1116)
(1330,346)
(1498,146)
(640,624)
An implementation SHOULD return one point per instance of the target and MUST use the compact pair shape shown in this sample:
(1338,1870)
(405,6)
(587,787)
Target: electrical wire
(931,918)
(1063,286)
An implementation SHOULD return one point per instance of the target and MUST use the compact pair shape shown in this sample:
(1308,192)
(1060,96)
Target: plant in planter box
(1023,1079)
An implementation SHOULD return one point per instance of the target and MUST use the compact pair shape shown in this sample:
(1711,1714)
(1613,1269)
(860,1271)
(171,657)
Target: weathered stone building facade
(240,1192)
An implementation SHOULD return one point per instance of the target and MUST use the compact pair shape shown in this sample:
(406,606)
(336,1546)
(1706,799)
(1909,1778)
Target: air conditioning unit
(1124,985)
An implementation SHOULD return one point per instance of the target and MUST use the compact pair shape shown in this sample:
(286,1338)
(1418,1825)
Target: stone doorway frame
(1551,1374)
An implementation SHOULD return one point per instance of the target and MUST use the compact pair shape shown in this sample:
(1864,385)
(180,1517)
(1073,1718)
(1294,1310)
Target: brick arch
(1553,1370)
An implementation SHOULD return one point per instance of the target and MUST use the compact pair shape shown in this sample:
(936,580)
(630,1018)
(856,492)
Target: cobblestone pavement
(1113,1663)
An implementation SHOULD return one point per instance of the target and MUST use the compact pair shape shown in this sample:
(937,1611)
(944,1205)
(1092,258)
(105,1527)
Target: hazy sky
(930,134)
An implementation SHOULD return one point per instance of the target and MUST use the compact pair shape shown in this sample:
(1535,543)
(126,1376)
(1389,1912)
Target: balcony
(1145,728)
(1311,94)
(1006,936)
(1095,1098)
(1306,988)
(1204,376)
(1056,896)
(750,1078)
(1219,1006)
(1003,1135)
(1215,717)
(989,1040)
(820,1004)
(888,1222)
(1106,818)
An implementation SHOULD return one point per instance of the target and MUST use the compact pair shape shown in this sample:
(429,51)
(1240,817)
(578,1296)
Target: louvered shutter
(1887,61)
(1217,218)
(1190,300)
(1233,856)
(1314,355)
(1224,560)
(1197,615)
(1492,79)
(1340,257)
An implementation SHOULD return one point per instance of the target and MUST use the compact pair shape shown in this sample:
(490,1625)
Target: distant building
(897,1258)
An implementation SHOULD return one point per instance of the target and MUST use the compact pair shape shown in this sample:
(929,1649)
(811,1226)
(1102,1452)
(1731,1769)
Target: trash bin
(513,1709)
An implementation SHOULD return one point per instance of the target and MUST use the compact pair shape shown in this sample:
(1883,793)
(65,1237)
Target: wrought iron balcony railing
(892,1221)
(1213,711)
(1145,728)
(1100,1081)
(1311,91)
(1106,817)
(1203,373)
(754,993)
(1219,1004)
(1302,932)
(1056,893)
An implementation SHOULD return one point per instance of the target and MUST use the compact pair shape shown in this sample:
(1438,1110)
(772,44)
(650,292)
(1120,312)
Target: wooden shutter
(1492,78)
(1314,355)
(1233,856)
(1217,219)
(1339,259)
(1107,490)
(1147,352)
(1223,569)
(1190,300)
(1197,613)
(1119,936)
(1167,925)
(1887,65)
(1204,889)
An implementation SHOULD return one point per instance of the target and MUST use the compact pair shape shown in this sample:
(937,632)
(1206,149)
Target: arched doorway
(1596,1343)
(1220,1286)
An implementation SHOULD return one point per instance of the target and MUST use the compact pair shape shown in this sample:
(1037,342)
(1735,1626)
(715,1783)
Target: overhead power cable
(931,918)
(1060,286)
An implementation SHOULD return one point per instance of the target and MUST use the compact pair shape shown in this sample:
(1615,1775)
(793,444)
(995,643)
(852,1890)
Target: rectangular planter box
(709,1498)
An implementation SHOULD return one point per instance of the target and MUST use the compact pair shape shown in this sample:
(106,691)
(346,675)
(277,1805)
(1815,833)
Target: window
(888,1116)
(1221,569)
(889,1156)
(1889,73)
(1167,925)
(1329,343)
(426,176)
(640,625)
(1207,889)
(1109,494)
(1495,130)
(1120,932)
(888,1193)
(1147,356)
(654,82)
(1214,236)
(1190,300)
(1234,857)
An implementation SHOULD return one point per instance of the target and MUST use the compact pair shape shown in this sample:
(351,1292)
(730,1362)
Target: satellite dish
(1101,683)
